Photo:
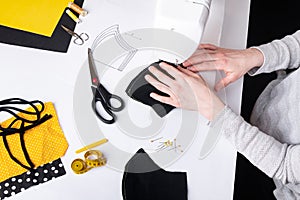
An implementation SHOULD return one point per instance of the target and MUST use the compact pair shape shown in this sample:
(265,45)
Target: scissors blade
(93,71)
(67,30)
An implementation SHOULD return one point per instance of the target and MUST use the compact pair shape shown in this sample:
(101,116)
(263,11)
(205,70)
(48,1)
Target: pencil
(100,142)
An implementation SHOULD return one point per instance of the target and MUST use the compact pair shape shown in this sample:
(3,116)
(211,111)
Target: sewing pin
(168,143)
(180,148)
(156,139)
(162,148)
(175,148)
(175,145)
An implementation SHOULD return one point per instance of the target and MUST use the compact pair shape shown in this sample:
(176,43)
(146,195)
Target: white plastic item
(187,17)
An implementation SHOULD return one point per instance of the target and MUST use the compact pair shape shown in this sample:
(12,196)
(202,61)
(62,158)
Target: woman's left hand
(187,90)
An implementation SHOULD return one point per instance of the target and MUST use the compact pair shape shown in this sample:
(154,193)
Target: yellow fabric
(36,16)
(45,143)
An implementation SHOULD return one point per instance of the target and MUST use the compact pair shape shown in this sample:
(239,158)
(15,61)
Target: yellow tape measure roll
(92,158)
(79,166)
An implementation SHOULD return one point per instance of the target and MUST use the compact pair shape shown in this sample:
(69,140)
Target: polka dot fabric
(28,179)
(44,143)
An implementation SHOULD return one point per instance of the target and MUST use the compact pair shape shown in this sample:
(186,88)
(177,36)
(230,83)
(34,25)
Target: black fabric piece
(59,41)
(139,89)
(144,179)
(31,178)
(5,131)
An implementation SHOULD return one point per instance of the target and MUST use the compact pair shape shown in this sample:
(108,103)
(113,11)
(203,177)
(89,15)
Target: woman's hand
(234,63)
(187,90)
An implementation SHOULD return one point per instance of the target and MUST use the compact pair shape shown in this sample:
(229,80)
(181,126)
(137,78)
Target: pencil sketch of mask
(110,49)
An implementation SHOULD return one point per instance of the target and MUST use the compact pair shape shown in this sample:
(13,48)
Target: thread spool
(73,16)
(77,9)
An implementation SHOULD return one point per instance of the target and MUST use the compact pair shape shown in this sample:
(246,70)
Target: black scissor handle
(108,98)
(99,99)
(80,39)
(119,100)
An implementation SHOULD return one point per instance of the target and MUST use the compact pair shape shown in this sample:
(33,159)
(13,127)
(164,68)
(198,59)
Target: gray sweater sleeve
(277,160)
(279,54)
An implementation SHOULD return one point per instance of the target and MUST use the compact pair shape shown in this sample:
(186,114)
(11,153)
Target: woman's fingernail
(186,63)
(162,64)
(146,77)
(151,68)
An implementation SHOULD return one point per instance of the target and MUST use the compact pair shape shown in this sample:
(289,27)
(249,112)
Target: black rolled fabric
(139,89)
(144,180)
(59,41)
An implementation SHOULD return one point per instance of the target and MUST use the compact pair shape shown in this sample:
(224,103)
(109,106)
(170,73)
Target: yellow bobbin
(74,17)
(93,158)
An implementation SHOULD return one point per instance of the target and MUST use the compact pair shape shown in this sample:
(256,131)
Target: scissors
(102,96)
(79,38)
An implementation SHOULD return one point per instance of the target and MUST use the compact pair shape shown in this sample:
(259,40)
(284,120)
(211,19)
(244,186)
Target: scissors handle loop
(109,98)
(104,113)
(105,98)
(80,39)
(119,102)
(109,118)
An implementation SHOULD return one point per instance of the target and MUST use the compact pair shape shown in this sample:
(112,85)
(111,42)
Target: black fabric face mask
(145,180)
(139,89)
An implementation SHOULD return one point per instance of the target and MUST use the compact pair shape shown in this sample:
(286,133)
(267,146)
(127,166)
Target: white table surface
(49,76)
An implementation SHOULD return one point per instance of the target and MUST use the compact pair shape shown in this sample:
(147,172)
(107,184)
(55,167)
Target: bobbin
(77,9)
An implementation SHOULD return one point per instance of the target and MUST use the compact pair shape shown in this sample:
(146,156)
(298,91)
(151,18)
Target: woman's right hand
(234,63)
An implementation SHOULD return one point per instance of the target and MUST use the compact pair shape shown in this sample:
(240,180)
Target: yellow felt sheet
(36,16)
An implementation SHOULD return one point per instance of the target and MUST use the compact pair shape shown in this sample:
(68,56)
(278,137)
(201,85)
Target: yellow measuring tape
(92,158)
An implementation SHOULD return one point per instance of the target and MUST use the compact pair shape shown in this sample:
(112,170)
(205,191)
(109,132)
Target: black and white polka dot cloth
(31,178)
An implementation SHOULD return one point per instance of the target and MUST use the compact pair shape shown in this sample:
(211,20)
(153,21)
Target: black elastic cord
(5,131)
(22,132)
